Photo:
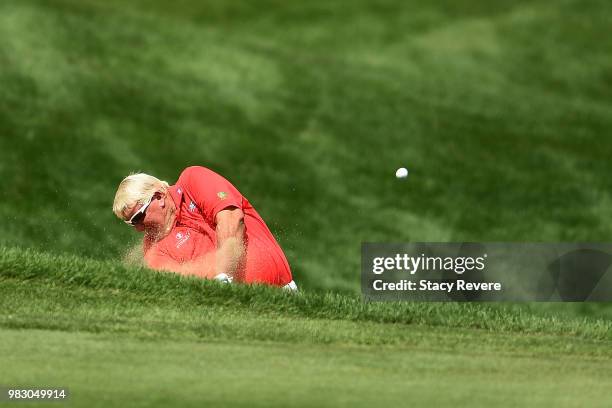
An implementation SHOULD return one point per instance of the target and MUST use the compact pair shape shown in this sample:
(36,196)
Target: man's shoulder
(192,173)
(188,171)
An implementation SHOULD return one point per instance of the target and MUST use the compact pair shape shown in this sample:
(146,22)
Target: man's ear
(162,197)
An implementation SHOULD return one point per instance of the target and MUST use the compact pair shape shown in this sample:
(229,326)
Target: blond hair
(136,189)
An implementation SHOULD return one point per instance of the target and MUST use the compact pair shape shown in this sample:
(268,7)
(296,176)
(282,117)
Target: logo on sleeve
(222,195)
(192,206)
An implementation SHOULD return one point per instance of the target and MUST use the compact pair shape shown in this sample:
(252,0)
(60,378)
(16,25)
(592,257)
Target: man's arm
(202,267)
(230,255)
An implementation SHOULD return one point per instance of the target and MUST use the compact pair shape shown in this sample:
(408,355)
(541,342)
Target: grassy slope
(498,109)
(30,268)
(152,337)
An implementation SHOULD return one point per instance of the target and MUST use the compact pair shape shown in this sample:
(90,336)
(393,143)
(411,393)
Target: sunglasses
(139,215)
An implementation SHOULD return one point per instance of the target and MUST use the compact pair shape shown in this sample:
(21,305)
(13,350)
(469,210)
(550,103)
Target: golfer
(201,226)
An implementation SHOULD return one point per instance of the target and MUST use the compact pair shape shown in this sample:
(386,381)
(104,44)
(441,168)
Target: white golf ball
(401,173)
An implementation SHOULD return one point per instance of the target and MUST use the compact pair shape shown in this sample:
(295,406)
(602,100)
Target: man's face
(155,215)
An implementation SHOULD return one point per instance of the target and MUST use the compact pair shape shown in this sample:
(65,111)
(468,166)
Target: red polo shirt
(199,194)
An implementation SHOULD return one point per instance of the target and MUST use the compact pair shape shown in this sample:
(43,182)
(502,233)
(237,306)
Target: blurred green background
(500,110)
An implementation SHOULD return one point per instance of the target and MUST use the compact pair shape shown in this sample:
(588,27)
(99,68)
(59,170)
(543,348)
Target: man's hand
(230,255)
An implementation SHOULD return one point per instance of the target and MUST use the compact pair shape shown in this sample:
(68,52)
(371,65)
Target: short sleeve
(211,191)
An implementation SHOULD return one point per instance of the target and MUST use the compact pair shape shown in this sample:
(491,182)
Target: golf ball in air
(401,173)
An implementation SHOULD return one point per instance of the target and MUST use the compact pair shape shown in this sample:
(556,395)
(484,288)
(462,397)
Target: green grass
(71,322)
(290,375)
(500,110)
(24,271)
